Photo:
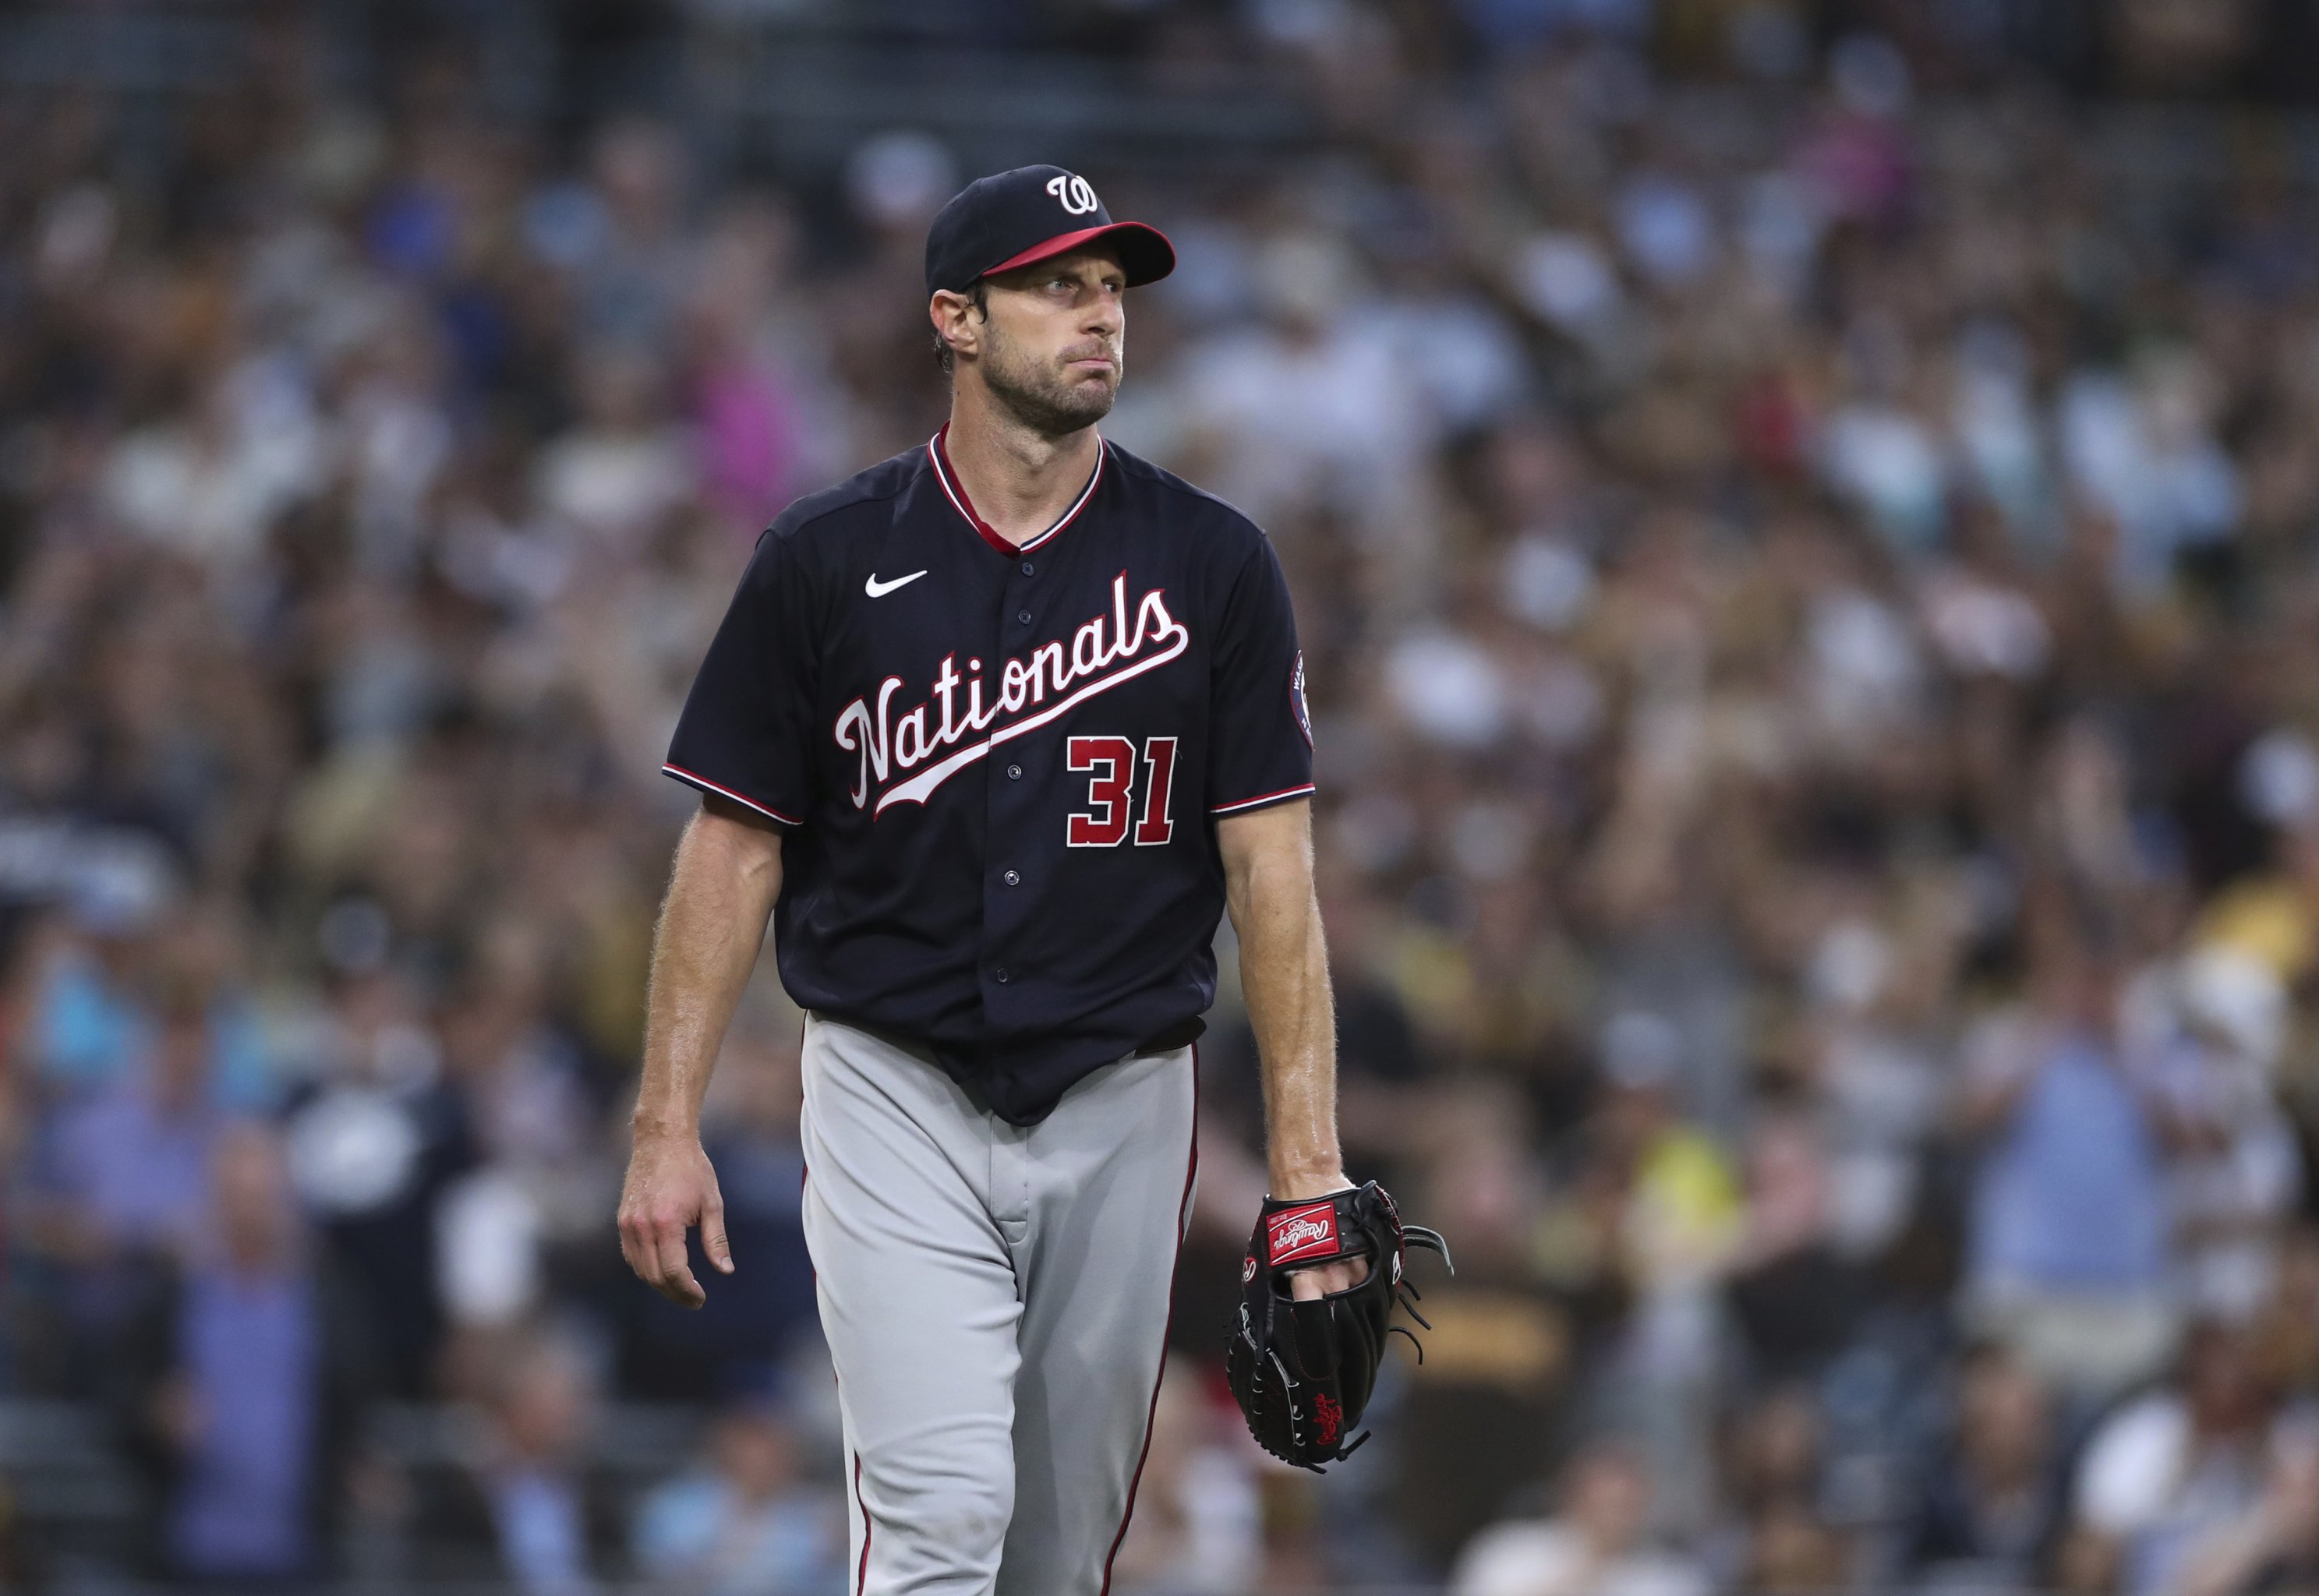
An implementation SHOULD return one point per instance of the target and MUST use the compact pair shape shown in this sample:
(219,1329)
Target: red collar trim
(955,491)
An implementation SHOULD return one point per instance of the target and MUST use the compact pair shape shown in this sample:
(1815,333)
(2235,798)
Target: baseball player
(994,731)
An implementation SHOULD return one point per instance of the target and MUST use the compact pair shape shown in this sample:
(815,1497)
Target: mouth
(1092,363)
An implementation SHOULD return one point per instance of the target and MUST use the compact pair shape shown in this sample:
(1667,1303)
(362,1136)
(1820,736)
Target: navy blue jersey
(999,767)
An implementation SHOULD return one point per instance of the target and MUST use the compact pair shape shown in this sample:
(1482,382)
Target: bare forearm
(1284,967)
(1284,973)
(712,924)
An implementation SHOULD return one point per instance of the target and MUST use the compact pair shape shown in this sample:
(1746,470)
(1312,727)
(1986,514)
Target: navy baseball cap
(994,224)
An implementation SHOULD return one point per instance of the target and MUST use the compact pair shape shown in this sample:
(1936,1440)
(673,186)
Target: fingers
(666,1196)
(630,1254)
(712,1231)
(672,1273)
(637,1245)
(1311,1284)
(652,1244)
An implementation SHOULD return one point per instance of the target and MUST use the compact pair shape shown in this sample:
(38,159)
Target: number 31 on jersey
(1110,765)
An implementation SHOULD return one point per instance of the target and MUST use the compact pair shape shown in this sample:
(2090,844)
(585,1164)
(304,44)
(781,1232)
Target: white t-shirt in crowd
(1551,1559)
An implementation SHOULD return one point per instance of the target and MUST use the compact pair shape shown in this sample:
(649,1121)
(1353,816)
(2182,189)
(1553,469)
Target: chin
(1093,400)
(1058,407)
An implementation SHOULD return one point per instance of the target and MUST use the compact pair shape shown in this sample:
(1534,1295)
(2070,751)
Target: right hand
(1315,1281)
(670,1188)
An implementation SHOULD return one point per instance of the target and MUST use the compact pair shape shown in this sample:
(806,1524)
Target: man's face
(1051,349)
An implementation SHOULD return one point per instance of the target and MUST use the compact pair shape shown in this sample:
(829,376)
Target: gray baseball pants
(995,1302)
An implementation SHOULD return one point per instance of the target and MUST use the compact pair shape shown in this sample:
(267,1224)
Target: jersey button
(1001,976)
(1023,615)
(1013,772)
(1012,878)
(1029,569)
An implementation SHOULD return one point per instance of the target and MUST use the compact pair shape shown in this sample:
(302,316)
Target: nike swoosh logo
(879,589)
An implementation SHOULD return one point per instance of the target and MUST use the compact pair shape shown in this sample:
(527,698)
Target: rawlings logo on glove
(1303,1371)
(1302,1233)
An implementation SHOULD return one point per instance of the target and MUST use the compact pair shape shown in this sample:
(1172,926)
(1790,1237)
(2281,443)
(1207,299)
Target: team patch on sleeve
(1296,699)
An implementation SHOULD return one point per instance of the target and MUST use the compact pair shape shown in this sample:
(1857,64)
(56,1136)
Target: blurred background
(1804,516)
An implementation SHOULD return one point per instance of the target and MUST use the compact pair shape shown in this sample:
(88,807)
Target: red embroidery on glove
(1329,1419)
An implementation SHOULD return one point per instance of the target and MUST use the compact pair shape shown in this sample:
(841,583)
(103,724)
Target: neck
(1020,479)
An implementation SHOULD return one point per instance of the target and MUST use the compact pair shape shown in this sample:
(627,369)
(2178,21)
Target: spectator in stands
(1793,1296)
(528,1506)
(1772,1535)
(1679,1220)
(1476,1423)
(1598,1544)
(1987,1515)
(132,1164)
(89,1018)
(1791,1548)
(744,1525)
(626,467)
(2273,1544)
(372,1141)
(2068,1246)
(2170,1475)
(2206,1032)
(242,1382)
(124,1187)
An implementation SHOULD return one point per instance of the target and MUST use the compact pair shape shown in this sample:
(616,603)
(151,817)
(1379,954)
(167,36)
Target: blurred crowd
(1809,560)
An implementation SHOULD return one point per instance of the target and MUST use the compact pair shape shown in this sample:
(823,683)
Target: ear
(954,321)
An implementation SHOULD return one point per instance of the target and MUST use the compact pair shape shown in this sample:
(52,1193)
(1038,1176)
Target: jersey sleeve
(1260,737)
(745,731)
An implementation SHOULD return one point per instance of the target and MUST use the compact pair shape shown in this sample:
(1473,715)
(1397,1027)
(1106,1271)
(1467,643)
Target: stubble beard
(1039,397)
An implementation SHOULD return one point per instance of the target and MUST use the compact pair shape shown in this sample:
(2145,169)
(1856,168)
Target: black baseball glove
(1303,1371)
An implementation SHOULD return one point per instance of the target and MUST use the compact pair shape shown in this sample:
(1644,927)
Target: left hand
(1311,1284)
(1315,1281)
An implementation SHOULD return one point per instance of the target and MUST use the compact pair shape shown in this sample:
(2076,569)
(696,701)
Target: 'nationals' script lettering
(971,713)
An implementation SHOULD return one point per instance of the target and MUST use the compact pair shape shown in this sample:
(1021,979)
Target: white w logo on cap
(1073,193)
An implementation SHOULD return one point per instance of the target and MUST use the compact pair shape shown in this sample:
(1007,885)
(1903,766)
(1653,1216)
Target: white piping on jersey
(956,494)
(1262,798)
(706,785)
(886,741)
